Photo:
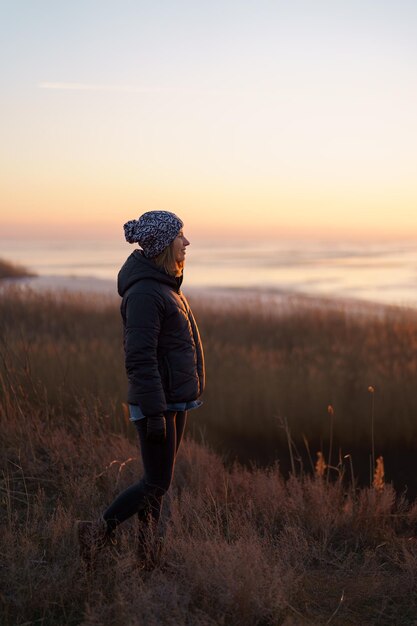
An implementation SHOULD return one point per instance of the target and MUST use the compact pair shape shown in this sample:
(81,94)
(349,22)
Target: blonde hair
(166,260)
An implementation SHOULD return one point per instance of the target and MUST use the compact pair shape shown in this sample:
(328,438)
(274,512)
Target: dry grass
(294,365)
(242,546)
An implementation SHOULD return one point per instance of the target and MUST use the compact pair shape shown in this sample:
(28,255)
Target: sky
(251,120)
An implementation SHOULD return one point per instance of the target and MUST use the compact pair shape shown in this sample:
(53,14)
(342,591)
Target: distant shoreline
(224,297)
(64,283)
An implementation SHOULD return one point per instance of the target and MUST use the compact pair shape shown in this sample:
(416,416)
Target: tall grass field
(293,497)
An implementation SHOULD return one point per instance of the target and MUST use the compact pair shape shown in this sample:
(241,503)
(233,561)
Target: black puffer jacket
(164,355)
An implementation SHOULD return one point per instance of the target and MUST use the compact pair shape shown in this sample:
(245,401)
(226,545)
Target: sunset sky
(248,119)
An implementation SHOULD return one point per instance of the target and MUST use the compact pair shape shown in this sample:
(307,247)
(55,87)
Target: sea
(382,272)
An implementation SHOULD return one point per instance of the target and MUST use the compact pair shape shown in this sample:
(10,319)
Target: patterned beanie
(153,231)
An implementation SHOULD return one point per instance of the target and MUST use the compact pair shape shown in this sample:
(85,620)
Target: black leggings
(145,496)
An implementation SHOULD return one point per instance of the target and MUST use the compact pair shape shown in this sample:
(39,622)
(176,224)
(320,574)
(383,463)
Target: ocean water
(384,272)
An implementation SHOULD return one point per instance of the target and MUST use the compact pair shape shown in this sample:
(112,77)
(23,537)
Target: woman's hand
(156,428)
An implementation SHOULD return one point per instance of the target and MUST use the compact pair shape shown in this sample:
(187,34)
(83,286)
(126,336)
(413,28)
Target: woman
(165,369)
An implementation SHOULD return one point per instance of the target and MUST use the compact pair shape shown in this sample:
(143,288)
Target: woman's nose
(186,242)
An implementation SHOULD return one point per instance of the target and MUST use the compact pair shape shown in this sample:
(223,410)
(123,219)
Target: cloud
(100,87)
(111,88)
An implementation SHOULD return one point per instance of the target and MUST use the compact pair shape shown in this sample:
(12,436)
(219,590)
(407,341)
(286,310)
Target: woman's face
(179,244)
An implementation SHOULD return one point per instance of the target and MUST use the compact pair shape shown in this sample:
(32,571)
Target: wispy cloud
(103,87)
(100,87)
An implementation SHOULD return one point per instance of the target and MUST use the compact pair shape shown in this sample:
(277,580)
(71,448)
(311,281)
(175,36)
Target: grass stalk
(330,412)
(286,428)
(352,475)
(371,390)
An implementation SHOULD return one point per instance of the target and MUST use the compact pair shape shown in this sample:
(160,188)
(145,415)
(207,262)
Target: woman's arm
(144,315)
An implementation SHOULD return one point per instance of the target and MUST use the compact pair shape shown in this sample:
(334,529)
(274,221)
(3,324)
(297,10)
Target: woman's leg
(180,421)
(145,496)
(155,501)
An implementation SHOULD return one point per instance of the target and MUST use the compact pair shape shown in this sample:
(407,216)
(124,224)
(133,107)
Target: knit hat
(153,231)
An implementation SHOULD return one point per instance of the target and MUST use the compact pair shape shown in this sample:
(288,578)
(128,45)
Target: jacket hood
(138,267)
